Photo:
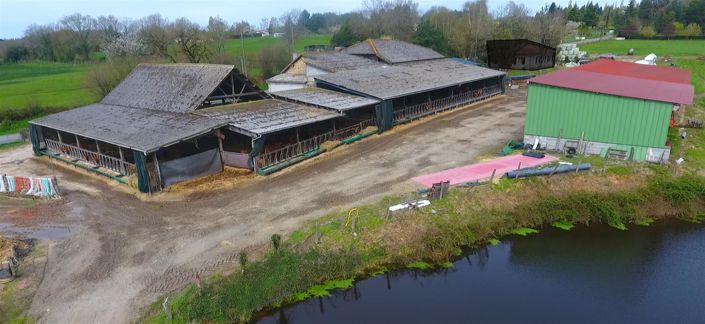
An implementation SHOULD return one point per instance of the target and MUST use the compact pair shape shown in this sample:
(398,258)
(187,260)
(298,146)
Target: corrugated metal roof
(325,98)
(632,70)
(267,116)
(168,87)
(408,78)
(393,51)
(626,80)
(336,61)
(288,78)
(138,129)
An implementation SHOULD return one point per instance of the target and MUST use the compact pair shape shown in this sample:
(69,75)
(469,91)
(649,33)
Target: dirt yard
(110,255)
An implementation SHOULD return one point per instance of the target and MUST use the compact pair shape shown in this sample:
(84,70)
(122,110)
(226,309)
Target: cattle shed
(146,127)
(415,89)
(611,108)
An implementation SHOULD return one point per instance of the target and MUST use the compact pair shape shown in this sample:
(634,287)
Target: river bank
(367,242)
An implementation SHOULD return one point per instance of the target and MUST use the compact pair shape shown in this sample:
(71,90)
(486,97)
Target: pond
(586,275)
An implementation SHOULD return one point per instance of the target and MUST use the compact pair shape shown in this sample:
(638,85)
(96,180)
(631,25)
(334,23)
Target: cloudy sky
(16,15)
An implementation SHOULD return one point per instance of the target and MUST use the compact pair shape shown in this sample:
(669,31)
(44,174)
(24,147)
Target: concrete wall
(641,153)
(279,86)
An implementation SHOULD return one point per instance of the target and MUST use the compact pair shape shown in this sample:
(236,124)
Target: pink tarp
(483,170)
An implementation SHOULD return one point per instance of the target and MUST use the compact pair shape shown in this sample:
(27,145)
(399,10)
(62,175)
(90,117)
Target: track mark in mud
(110,255)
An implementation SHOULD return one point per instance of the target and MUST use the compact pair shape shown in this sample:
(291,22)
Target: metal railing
(101,160)
(427,108)
(291,151)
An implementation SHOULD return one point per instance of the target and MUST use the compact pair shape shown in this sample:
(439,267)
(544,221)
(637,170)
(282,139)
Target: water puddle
(40,232)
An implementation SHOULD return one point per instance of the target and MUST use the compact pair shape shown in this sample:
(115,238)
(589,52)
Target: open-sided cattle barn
(607,107)
(415,89)
(145,126)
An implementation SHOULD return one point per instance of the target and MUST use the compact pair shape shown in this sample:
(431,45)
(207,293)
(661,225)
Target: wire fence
(417,111)
(101,160)
(300,148)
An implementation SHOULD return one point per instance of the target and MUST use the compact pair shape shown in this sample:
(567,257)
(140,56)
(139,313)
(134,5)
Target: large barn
(172,122)
(607,107)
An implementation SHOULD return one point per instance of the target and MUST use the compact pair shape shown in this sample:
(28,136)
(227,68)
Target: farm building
(519,54)
(169,123)
(607,107)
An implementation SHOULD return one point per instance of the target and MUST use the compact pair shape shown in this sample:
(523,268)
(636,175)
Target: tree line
(647,18)
(452,32)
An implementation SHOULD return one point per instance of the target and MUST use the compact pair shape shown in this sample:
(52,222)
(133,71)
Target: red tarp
(483,170)
(625,79)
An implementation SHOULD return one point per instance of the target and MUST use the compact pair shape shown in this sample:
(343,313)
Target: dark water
(644,275)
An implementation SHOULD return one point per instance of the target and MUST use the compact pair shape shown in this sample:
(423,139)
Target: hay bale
(369,129)
(329,145)
(131,181)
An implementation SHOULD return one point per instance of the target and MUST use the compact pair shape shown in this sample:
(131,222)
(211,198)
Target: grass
(645,47)
(566,226)
(254,44)
(523,231)
(45,84)
(12,127)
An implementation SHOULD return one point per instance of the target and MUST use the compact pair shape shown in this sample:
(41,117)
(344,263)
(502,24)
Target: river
(599,274)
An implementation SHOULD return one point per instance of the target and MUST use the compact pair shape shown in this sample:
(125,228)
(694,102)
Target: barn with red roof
(612,108)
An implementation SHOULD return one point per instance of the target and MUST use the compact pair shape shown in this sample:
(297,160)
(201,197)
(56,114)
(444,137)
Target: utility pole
(242,58)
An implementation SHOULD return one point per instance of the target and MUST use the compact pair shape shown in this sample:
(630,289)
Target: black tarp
(185,168)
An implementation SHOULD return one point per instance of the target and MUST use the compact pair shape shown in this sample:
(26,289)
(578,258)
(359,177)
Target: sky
(16,15)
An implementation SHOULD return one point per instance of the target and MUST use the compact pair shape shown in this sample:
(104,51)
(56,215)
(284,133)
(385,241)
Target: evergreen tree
(428,35)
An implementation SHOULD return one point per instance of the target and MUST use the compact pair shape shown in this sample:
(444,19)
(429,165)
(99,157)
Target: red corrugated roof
(625,79)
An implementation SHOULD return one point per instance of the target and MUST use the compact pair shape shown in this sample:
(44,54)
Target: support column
(78,143)
(157,170)
(58,133)
(97,147)
(122,160)
(333,120)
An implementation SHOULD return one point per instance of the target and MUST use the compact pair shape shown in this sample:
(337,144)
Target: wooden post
(122,160)
(78,143)
(333,120)
(97,146)
(58,133)
(492,177)
(560,137)
(519,167)
(581,144)
(157,172)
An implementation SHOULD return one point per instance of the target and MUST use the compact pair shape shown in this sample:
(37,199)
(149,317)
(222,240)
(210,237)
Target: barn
(519,54)
(610,108)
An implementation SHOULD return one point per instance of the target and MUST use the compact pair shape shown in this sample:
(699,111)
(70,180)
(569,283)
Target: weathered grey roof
(408,78)
(393,51)
(168,87)
(138,129)
(267,116)
(337,61)
(325,98)
(288,78)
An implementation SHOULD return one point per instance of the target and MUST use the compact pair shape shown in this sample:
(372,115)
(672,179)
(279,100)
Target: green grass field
(252,45)
(645,47)
(47,84)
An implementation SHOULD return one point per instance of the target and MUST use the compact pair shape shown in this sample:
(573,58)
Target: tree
(303,18)
(692,29)
(80,28)
(428,36)
(345,36)
(648,31)
(271,59)
(679,28)
(669,30)
(242,28)
(632,29)
(316,22)
(190,41)
(16,54)
(217,32)
(695,12)
(39,39)
(158,35)
(125,45)
(103,78)
(646,11)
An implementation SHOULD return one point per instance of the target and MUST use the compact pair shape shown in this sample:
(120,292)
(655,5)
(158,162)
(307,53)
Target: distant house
(519,54)
(278,35)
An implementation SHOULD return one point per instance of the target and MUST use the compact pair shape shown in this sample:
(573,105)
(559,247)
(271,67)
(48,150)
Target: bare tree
(80,28)
(103,78)
(264,24)
(190,41)
(217,33)
(39,39)
(157,34)
(478,27)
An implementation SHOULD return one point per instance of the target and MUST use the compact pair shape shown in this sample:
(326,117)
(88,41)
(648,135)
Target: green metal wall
(603,118)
